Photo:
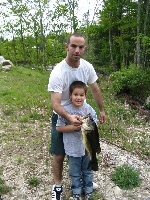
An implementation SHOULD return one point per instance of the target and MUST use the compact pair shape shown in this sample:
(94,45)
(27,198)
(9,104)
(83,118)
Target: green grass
(24,95)
(4,189)
(33,181)
(126,177)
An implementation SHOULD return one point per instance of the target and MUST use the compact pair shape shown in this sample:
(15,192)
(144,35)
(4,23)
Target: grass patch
(25,91)
(34,181)
(126,177)
(4,189)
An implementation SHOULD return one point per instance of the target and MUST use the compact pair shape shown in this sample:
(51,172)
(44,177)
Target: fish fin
(98,149)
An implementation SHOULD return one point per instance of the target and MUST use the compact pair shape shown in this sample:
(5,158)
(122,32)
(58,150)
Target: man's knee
(58,158)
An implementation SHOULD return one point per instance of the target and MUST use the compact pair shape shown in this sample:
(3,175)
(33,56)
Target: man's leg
(58,152)
(57,167)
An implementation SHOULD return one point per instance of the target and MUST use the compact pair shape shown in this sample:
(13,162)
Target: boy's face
(77,97)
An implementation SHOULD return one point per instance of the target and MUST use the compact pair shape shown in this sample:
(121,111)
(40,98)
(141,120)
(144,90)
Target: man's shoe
(77,197)
(95,186)
(56,192)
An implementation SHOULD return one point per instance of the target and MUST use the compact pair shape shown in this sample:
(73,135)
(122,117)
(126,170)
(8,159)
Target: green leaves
(126,177)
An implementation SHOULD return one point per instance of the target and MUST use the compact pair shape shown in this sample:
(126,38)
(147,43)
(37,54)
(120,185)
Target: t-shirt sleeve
(93,76)
(55,82)
(89,72)
(92,113)
(60,121)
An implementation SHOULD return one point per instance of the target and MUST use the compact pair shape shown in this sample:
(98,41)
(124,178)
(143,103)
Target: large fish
(90,137)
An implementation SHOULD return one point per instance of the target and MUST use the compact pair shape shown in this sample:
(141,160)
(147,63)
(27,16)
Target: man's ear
(66,46)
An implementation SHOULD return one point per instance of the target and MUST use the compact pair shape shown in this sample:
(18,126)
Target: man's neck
(71,63)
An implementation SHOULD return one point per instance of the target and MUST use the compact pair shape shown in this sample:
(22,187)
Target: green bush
(126,177)
(132,80)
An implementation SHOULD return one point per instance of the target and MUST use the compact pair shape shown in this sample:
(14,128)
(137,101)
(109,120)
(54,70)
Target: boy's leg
(75,164)
(87,176)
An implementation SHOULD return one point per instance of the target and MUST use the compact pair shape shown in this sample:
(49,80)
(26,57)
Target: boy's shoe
(95,186)
(56,192)
(89,196)
(77,197)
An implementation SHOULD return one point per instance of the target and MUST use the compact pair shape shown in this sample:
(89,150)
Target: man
(71,69)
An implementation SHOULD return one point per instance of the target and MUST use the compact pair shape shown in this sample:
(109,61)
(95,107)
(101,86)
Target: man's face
(76,47)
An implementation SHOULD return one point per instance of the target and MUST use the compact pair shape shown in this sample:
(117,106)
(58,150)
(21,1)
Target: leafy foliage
(132,80)
(126,177)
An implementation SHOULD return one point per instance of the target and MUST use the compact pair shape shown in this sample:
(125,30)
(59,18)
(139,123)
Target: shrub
(126,177)
(132,80)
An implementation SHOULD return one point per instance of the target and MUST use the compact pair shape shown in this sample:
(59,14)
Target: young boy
(81,177)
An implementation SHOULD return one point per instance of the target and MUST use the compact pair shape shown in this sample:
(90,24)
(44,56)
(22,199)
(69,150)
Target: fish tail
(93,165)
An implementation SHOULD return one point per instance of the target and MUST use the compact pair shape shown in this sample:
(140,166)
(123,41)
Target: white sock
(58,185)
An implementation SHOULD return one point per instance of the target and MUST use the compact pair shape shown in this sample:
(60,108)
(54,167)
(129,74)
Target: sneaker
(56,192)
(95,186)
(77,197)
(89,196)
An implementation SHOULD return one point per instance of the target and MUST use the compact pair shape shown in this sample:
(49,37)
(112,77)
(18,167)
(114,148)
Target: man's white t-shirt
(63,75)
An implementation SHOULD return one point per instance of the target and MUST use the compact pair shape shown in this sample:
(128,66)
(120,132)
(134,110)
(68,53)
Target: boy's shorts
(57,145)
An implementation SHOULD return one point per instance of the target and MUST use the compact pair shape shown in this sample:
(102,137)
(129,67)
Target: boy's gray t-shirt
(73,140)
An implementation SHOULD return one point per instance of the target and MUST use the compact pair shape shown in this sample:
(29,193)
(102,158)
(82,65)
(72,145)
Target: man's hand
(74,120)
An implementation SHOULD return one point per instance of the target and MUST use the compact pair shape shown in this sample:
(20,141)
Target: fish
(90,138)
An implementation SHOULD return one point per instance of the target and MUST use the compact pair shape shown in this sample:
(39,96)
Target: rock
(117,191)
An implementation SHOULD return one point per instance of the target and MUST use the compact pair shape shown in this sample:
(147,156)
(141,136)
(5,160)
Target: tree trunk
(137,60)
(42,34)
(110,48)
(145,28)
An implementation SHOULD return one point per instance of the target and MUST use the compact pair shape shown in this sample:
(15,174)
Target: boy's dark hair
(77,84)
(76,35)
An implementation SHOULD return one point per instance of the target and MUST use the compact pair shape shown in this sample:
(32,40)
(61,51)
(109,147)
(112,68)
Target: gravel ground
(24,155)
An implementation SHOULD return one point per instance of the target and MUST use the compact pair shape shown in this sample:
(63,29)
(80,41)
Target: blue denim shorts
(57,145)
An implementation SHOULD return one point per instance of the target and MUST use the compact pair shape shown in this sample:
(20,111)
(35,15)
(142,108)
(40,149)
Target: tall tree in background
(146,36)
(137,60)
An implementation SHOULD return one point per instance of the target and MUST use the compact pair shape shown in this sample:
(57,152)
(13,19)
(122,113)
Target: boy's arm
(68,128)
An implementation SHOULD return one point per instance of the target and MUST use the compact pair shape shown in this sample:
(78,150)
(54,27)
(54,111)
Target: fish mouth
(87,124)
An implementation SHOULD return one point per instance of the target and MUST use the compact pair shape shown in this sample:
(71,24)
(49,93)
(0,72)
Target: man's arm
(96,92)
(59,109)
